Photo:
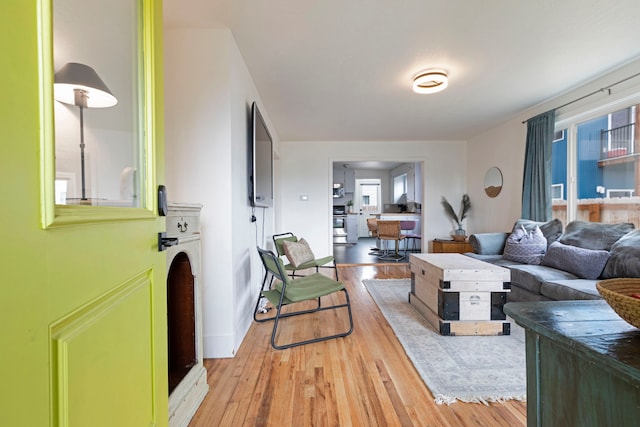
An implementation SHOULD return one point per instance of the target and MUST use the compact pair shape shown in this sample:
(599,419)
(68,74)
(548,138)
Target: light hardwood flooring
(365,379)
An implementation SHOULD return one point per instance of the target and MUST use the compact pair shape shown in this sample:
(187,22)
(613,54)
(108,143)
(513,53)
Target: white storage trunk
(460,295)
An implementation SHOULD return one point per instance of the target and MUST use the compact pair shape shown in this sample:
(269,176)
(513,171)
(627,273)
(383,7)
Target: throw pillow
(584,263)
(624,258)
(527,247)
(298,252)
(552,230)
(594,235)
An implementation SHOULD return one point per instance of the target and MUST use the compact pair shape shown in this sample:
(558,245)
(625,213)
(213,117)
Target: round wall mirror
(493,182)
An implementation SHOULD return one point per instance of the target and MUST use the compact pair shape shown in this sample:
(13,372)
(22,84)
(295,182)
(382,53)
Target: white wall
(208,94)
(306,167)
(504,146)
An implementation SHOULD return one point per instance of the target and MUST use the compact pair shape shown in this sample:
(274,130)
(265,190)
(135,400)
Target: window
(559,135)
(557,192)
(619,193)
(400,188)
(103,148)
(602,151)
(370,201)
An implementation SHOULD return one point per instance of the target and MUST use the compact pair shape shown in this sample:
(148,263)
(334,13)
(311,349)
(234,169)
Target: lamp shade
(74,77)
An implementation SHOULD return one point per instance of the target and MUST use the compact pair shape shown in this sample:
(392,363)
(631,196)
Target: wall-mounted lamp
(79,84)
(430,81)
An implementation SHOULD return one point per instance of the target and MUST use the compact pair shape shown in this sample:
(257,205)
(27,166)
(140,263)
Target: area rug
(477,369)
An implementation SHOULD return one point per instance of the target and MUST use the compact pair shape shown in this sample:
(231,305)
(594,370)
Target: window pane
(606,168)
(400,188)
(98,145)
(370,202)
(559,176)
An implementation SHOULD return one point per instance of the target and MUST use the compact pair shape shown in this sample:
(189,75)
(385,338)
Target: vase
(459,235)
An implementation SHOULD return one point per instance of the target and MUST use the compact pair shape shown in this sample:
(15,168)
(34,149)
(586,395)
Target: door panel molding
(113,333)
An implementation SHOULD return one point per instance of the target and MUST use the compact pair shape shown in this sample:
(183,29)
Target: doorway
(374,188)
(368,202)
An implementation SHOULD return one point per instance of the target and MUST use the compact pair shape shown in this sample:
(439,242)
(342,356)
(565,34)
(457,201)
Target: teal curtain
(536,183)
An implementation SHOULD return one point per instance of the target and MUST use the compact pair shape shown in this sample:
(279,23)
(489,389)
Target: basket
(617,294)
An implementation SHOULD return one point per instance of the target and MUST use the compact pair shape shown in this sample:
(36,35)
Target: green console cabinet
(583,364)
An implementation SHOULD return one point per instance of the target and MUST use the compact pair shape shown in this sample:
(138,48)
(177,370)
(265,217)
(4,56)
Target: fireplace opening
(181,319)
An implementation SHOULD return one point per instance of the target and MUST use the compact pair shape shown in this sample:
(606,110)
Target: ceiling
(341,70)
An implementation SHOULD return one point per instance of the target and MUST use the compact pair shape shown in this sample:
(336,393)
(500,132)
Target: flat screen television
(260,161)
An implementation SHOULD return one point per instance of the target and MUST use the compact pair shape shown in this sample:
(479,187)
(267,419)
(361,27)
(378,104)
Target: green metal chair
(287,290)
(325,262)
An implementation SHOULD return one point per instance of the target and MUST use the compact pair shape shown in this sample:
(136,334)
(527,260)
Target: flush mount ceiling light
(430,81)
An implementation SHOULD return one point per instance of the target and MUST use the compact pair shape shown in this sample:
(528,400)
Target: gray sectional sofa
(575,259)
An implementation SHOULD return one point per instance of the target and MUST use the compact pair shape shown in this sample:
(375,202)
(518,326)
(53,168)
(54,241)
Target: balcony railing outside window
(617,142)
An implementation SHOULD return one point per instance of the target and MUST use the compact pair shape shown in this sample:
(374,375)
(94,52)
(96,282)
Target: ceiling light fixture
(430,81)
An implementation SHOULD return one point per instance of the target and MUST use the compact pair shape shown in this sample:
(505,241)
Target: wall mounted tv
(260,161)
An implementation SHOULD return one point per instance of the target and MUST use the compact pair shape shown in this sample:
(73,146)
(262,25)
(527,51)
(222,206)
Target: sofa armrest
(488,243)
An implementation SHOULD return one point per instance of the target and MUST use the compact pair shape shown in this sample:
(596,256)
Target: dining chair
(410,236)
(390,231)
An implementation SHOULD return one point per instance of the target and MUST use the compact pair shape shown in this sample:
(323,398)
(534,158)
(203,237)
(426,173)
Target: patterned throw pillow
(298,252)
(527,247)
(552,230)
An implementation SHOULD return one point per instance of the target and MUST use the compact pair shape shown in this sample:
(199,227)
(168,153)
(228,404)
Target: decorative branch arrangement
(465,207)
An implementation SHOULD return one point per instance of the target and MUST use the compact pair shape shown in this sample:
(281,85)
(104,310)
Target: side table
(450,246)
(583,364)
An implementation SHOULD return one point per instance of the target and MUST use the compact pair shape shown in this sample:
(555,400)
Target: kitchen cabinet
(349,181)
(346,177)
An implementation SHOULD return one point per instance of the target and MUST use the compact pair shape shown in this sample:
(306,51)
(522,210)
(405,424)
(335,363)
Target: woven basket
(617,293)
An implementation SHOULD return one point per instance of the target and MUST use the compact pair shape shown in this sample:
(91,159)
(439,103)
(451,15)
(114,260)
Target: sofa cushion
(486,258)
(531,277)
(527,247)
(584,263)
(552,230)
(297,252)
(594,235)
(624,258)
(576,289)
(488,243)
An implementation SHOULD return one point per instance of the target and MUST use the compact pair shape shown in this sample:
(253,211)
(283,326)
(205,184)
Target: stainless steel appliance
(339,224)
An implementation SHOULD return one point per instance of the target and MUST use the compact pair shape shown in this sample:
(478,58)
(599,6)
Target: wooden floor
(365,379)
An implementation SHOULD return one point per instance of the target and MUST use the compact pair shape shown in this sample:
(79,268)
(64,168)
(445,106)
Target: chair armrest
(488,243)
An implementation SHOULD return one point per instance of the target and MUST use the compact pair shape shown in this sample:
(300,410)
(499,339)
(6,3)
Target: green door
(82,300)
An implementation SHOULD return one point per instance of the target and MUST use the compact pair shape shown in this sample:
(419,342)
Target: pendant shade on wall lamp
(79,85)
(430,81)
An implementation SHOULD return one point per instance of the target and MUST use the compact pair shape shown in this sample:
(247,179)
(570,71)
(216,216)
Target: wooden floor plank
(365,378)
